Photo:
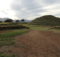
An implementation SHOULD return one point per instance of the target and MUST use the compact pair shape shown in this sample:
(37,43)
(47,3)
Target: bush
(9,27)
(55,28)
(9,20)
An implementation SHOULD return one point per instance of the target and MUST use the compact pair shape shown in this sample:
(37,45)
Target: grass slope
(47,20)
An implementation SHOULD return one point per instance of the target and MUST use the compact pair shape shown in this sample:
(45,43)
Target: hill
(48,20)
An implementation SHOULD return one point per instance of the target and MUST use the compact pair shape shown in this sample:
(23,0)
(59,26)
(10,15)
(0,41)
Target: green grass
(13,33)
(35,27)
(55,30)
(8,37)
(42,28)
(39,28)
(6,55)
(4,23)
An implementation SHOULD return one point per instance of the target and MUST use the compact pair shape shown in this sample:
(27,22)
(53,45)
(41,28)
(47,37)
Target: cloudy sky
(29,9)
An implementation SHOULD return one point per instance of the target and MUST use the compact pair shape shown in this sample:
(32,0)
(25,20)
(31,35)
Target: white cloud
(29,9)
(5,9)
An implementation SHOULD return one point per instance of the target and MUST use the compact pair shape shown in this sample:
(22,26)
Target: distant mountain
(3,19)
(28,20)
(48,20)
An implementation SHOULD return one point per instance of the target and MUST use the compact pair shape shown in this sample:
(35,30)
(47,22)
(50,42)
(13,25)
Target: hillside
(48,20)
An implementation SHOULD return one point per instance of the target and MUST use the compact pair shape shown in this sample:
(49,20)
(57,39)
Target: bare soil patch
(36,44)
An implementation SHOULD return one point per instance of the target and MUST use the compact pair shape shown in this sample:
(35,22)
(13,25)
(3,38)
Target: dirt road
(38,44)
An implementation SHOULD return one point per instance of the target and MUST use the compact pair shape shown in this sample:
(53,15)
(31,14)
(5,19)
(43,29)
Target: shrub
(9,20)
(9,27)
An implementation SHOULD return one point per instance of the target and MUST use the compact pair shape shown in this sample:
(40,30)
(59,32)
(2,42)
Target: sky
(28,9)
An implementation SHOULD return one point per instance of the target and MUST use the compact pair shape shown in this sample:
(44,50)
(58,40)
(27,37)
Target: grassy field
(39,28)
(6,55)
(8,37)
(42,28)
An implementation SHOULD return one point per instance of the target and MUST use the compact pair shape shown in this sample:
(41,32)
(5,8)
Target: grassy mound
(47,20)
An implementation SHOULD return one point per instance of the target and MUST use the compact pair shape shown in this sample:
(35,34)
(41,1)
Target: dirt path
(37,44)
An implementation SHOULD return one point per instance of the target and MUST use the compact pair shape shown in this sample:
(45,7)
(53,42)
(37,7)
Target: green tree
(22,20)
(8,20)
(17,21)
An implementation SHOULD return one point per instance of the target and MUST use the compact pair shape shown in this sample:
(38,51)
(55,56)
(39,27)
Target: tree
(0,21)
(22,20)
(17,21)
(8,20)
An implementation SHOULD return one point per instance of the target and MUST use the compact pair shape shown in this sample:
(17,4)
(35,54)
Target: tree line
(11,20)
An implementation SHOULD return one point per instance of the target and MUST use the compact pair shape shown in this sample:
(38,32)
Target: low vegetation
(42,28)
(9,26)
(8,38)
(8,30)
(6,55)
